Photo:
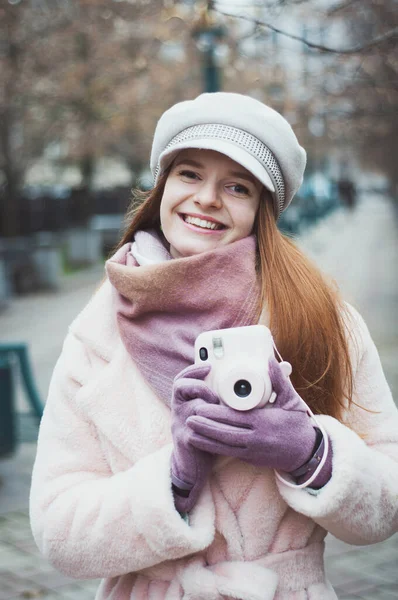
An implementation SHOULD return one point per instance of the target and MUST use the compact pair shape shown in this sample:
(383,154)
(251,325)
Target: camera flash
(218,347)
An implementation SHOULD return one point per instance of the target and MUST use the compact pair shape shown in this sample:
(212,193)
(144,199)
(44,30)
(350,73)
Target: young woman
(142,476)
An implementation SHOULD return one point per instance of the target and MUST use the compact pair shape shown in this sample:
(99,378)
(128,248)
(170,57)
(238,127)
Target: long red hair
(305,313)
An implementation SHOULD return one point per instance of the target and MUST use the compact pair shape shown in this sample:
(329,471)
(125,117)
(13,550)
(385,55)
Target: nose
(208,196)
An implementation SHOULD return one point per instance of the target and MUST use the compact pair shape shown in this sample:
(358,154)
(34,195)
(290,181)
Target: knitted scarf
(162,304)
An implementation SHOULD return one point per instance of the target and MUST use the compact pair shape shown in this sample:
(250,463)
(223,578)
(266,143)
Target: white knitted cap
(249,132)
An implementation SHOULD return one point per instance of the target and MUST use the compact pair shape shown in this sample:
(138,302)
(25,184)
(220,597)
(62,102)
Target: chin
(191,250)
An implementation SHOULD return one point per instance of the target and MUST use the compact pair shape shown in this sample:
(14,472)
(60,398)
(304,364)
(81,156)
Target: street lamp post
(207,34)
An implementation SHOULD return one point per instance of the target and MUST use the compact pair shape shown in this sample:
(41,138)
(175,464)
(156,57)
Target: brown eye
(188,174)
(239,189)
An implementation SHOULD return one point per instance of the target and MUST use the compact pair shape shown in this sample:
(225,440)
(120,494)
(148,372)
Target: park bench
(14,357)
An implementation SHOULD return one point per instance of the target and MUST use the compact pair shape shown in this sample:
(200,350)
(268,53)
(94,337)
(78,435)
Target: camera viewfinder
(218,347)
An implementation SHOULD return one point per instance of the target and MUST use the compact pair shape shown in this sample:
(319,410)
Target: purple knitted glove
(280,435)
(190,466)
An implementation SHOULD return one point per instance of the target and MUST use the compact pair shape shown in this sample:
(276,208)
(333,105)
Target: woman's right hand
(189,465)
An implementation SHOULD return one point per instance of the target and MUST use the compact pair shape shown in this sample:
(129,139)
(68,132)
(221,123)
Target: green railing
(20,351)
(12,354)
(7,413)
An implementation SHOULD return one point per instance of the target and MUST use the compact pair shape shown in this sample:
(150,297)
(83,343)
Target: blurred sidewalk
(359,249)
(42,319)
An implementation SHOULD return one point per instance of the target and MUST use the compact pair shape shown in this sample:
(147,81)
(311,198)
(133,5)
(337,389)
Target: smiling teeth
(201,222)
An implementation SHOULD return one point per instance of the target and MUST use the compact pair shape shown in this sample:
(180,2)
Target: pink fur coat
(101,500)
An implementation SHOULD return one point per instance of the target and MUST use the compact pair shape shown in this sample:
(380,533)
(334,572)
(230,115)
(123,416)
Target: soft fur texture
(101,500)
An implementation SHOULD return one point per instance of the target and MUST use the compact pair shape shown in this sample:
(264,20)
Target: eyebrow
(246,176)
(198,165)
(188,161)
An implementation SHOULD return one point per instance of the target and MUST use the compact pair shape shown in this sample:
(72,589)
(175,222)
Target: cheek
(165,205)
(170,197)
(162,214)
(252,214)
(245,220)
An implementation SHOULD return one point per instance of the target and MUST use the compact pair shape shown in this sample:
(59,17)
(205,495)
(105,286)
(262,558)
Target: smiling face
(209,200)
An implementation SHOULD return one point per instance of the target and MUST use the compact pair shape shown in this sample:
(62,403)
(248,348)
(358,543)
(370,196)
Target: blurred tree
(105,45)
(351,99)
(20,135)
(9,57)
(372,87)
(63,65)
(84,79)
(119,68)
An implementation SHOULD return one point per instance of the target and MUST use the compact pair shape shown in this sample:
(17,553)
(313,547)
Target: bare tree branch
(342,6)
(355,50)
(260,4)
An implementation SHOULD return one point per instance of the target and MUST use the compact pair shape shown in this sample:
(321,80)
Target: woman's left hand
(280,435)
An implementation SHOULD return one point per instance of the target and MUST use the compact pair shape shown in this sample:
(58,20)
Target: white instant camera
(239,365)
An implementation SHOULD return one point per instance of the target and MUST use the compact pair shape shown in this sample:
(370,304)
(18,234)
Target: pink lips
(203,217)
(202,229)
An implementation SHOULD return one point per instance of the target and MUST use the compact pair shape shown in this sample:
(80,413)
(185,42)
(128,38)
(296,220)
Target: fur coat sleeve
(359,505)
(89,520)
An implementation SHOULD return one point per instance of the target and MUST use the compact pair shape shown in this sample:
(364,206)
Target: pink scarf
(163,306)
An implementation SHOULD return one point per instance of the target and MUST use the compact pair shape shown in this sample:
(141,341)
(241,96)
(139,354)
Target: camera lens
(242,388)
(203,354)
